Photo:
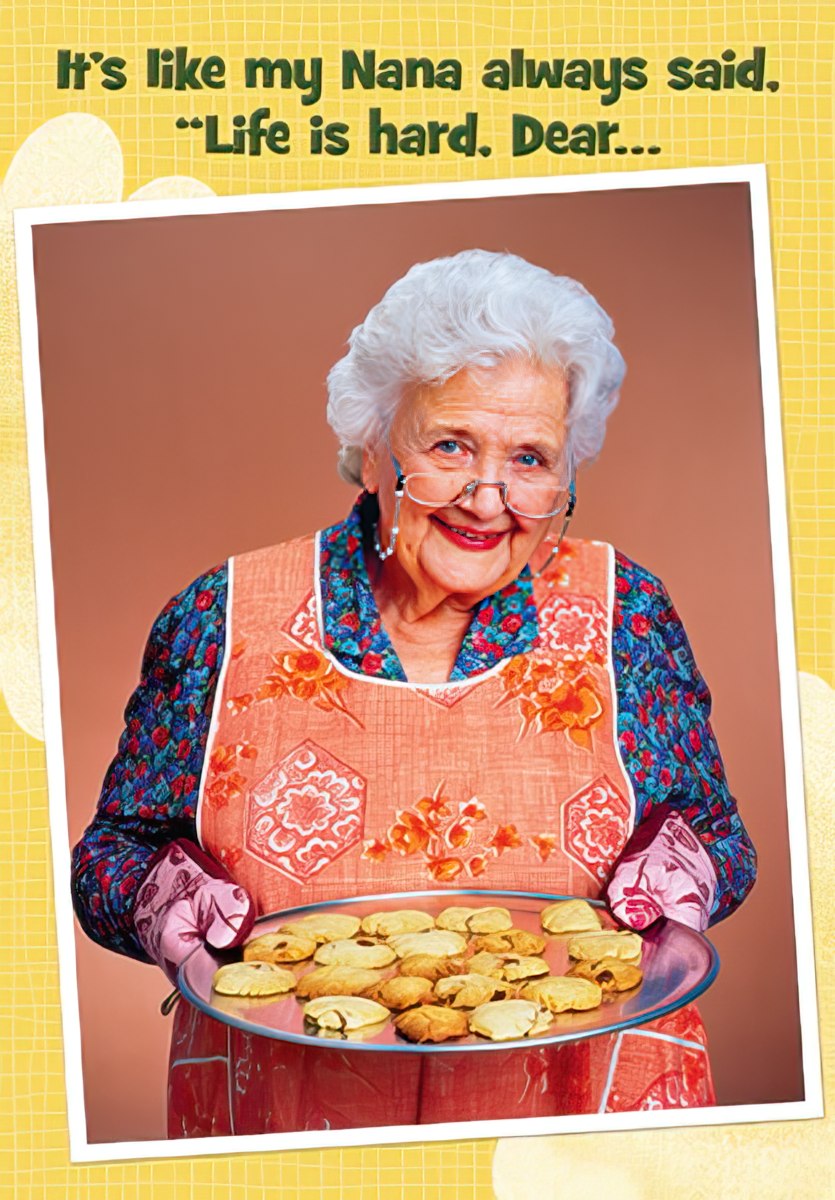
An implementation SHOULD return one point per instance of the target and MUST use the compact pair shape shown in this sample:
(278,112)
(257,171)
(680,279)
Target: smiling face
(499,423)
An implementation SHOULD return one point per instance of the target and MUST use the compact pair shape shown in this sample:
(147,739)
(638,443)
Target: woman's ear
(370,470)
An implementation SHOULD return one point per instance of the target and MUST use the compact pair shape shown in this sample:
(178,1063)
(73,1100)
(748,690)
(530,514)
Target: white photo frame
(754,176)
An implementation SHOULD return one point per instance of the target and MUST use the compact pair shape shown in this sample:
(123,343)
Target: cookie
(559,994)
(279,948)
(344,1012)
(324,927)
(523,966)
(336,981)
(516,941)
(253,979)
(489,920)
(469,991)
(611,974)
(431,1023)
(405,920)
(569,916)
(356,952)
(617,944)
(404,991)
(429,966)
(441,943)
(505,1020)
(485,963)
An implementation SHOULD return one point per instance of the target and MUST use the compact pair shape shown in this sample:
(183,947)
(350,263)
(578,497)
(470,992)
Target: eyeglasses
(535,495)
(535,499)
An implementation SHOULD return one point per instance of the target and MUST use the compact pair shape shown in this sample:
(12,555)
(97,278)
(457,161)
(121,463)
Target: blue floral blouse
(149,796)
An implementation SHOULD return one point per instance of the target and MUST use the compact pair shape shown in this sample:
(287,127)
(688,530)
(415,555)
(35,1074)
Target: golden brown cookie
(505,1020)
(523,966)
(615,944)
(611,974)
(336,981)
(279,947)
(404,991)
(405,920)
(559,994)
(485,963)
(431,1023)
(468,991)
(253,979)
(441,943)
(569,916)
(324,927)
(429,966)
(515,941)
(344,1012)
(489,920)
(356,952)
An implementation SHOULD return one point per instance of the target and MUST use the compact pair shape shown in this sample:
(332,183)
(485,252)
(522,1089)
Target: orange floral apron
(323,784)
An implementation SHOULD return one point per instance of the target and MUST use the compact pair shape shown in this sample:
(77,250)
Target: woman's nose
(485,501)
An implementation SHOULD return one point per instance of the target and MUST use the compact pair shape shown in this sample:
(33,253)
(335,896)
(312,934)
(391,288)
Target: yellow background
(77,161)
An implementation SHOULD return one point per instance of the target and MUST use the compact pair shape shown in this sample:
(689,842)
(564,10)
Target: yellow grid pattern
(791,131)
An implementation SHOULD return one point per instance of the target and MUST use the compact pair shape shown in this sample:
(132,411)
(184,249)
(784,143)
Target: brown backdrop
(183,363)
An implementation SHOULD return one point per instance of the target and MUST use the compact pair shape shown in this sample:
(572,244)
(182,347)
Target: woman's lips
(469,539)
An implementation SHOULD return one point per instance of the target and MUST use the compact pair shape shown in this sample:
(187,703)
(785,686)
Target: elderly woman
(439,690)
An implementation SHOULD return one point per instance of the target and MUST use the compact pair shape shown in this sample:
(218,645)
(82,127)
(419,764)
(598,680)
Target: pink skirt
(222,1081)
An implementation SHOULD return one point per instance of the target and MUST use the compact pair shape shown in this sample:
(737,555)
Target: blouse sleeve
(664,731)
(149,796)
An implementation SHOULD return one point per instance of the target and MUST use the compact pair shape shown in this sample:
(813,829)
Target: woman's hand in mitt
(664,871)
(187,899)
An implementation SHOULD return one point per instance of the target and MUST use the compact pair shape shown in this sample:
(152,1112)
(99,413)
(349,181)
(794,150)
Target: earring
(395,529)
(572,504)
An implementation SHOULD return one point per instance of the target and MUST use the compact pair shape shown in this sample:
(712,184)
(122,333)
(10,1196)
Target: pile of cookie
(466,971)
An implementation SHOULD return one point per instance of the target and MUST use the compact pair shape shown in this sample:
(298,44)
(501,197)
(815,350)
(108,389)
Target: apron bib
(321,784)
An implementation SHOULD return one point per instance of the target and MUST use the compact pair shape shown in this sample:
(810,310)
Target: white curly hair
(473,309)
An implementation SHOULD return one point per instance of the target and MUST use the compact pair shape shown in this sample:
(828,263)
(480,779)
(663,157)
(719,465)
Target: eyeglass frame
(468,490)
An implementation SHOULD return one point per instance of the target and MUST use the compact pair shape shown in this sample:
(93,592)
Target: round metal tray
(678,965)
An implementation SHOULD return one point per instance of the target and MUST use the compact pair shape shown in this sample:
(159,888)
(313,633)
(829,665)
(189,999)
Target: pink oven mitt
(187,899)
(664,871)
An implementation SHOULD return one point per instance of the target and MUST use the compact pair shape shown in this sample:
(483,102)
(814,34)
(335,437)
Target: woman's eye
(528,460)
(448,446)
